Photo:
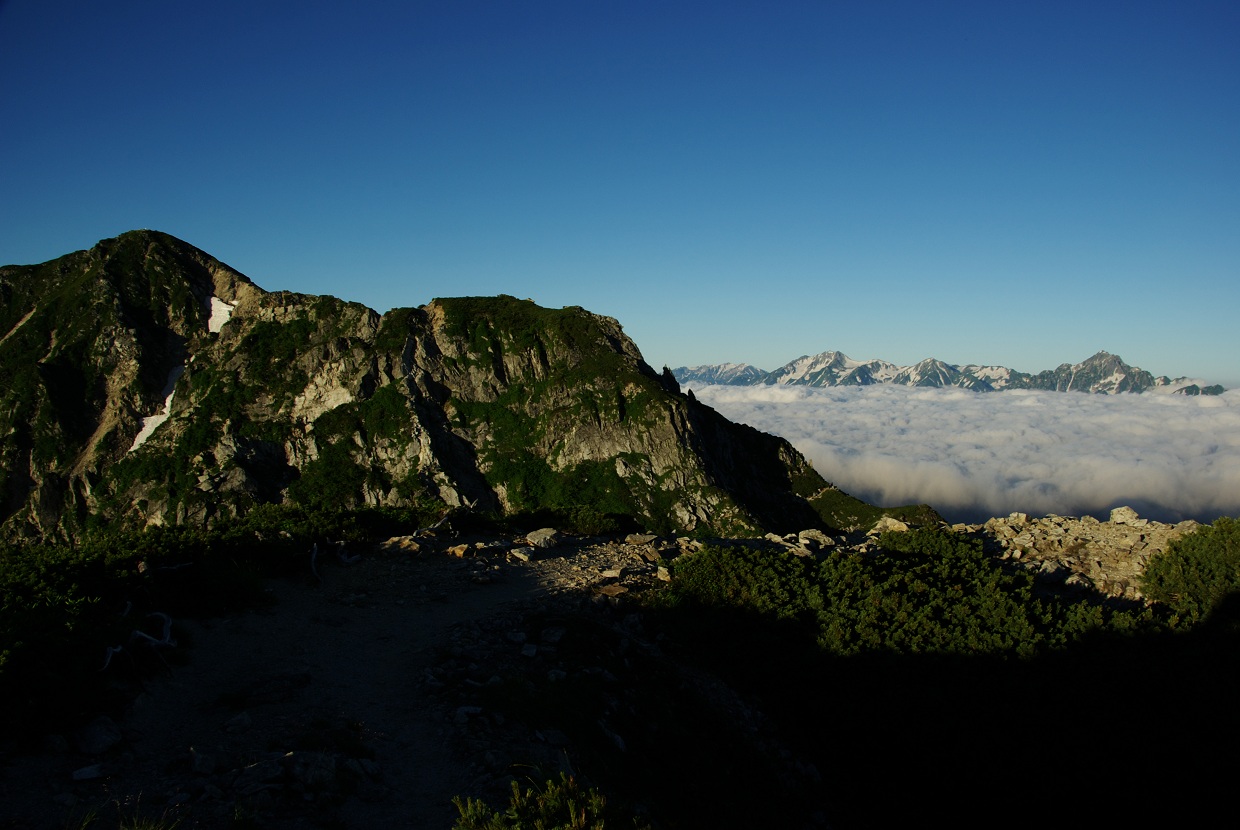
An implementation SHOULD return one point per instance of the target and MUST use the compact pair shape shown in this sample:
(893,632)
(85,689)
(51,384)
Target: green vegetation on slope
(845,512)
(1199,573)
(493,326)
(923,592)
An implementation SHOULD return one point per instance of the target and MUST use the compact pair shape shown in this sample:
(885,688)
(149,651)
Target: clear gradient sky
(1020,183)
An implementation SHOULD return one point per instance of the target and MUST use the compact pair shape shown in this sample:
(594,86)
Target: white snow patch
(152,422)
(996,376)
(882,371)
(220,312)
(1111,383)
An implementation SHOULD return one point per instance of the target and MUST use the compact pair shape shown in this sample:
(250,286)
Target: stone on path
(546,537)
(98,736)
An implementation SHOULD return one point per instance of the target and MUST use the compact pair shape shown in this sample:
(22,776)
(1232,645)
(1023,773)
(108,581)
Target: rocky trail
(337,705)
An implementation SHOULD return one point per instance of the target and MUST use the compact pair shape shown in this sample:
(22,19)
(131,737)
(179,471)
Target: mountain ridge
(145,382)
(1102,373)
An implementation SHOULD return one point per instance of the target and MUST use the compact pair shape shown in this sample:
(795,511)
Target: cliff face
(145,382)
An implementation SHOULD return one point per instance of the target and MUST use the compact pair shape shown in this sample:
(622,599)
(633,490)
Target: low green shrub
(1197,572)
(559,805)
(926,591)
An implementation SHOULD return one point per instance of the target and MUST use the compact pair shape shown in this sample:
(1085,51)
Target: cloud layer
(973,455)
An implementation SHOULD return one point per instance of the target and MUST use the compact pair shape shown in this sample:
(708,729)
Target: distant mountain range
(1103,373)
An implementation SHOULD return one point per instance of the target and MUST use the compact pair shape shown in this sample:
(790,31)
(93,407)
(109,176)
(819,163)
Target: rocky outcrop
(1083,553)
(1063,553)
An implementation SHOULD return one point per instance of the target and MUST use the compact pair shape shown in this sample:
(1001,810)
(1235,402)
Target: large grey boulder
(814,539)
(546,537)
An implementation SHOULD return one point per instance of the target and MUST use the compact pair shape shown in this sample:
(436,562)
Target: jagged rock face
(493,403)
(558,408)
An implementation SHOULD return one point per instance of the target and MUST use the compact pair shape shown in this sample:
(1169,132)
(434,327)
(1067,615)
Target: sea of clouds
(974,455)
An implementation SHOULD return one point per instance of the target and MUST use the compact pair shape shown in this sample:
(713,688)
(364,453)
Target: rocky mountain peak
(149,383)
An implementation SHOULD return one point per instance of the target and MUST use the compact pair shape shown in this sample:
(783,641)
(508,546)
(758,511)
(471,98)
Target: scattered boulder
(400,544)
(546,537)
(464,713)
(885,524)
(1127,516)
(98,736)
(814,539)
(650,553)
(260,774)
(522,554)
(205,762)
(238,724)
(89,773)
(312,771)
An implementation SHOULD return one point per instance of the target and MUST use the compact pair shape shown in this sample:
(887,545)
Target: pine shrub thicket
(927,591)
(1197,573)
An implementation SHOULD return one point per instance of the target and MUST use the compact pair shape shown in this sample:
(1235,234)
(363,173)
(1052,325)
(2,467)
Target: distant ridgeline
(1103,373)
(144,382)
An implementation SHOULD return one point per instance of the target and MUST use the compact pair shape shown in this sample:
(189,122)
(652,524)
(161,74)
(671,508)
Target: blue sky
(1004,182)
